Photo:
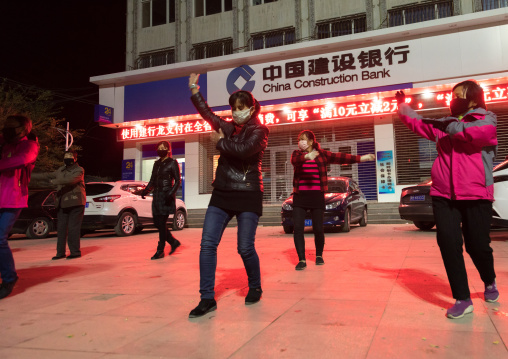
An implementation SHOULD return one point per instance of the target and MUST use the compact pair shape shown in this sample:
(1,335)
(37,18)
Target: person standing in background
(310,182)
(164,182)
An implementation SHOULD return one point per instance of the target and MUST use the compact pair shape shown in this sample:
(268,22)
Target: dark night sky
(58,45)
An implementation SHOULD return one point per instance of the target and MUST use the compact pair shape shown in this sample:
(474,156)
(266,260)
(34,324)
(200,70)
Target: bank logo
(245,72)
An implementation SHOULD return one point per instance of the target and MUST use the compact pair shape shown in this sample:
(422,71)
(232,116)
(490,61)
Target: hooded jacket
(466,152)
(239,167)
(16,165)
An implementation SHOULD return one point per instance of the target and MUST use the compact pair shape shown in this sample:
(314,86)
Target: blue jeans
(215,223)
(7,218)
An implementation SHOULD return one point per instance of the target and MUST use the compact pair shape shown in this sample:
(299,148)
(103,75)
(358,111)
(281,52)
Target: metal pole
(67,138)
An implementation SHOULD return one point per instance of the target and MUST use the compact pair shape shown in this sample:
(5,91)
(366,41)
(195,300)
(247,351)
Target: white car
(500,206)
(119,205)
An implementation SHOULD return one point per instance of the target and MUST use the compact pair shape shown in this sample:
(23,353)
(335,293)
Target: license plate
(308,222)
(417,197)
(87,205)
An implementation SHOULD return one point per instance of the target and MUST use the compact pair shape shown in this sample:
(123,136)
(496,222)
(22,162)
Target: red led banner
(319,113)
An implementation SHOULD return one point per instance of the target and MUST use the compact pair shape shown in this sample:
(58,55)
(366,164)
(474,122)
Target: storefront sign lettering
(332,111)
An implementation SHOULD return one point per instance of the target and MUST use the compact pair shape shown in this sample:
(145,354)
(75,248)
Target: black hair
(247,99)
(473,92)
(23,121)
(310,136)
(167,144)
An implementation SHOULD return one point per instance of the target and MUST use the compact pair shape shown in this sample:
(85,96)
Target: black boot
(6,288)
(158,255)
(204,306)
(174,246)
(253,296)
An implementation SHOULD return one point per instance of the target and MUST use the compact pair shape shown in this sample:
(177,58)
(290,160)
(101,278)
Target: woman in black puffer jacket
(164,182)
(238,191)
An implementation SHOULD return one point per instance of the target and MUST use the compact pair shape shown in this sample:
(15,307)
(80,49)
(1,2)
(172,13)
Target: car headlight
(333,205)
(287,207)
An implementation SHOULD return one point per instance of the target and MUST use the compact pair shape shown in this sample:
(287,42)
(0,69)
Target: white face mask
(241,116)
(303,145)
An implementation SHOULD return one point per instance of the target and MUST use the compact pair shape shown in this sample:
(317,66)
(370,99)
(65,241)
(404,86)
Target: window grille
(341,26)
(273,38)
(211,49)
(420,12)
(158,58)
(493,4)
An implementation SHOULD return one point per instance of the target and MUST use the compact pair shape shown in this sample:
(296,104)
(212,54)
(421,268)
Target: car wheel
(346,227)
(126,225)
(424,226)
(179,220)
(38,228)
(363,221)
(288,229)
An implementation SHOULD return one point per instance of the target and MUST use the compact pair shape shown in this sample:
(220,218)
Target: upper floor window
(157,12)
(158,58)
(273,38)
(493,4)
(259,2)
(410,14)
(211,49)
(209,7)
(342,26)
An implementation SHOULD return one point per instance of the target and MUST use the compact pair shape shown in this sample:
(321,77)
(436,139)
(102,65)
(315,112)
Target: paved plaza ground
(381,294)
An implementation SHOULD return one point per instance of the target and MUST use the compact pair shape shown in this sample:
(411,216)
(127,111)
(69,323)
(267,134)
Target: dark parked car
(39,219)
(416,205)
(345,205)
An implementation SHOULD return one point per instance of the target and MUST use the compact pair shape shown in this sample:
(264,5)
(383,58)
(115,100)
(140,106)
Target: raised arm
(204,110)
(481,132)
(341,158)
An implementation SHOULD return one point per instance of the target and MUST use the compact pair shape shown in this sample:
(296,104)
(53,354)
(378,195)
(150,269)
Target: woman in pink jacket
(18,153)
(462,187)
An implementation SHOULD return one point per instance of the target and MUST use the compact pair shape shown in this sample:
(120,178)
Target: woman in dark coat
(237,191)
(164,182)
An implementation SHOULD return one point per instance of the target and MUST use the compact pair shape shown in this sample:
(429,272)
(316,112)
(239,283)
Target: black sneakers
(158,255)
(319,261)
(301,265)
(6,288)
(204,306)
(58,256)
(253,296)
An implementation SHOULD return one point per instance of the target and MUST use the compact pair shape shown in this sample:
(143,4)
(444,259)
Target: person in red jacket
(462,187)
(19,149)
(310,182)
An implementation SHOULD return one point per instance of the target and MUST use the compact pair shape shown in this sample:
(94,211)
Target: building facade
(329,66)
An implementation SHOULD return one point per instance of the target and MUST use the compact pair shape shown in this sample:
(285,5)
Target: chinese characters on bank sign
(317,113)
(334,65)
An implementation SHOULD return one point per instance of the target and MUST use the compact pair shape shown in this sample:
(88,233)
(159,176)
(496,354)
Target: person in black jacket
(237,191)
(164,182)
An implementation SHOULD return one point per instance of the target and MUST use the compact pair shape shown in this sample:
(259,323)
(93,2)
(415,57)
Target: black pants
(164,234)
(69,229)
(317,215)
(475,217)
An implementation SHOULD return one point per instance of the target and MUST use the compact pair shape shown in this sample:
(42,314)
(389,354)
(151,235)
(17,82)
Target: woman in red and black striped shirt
(310,183)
